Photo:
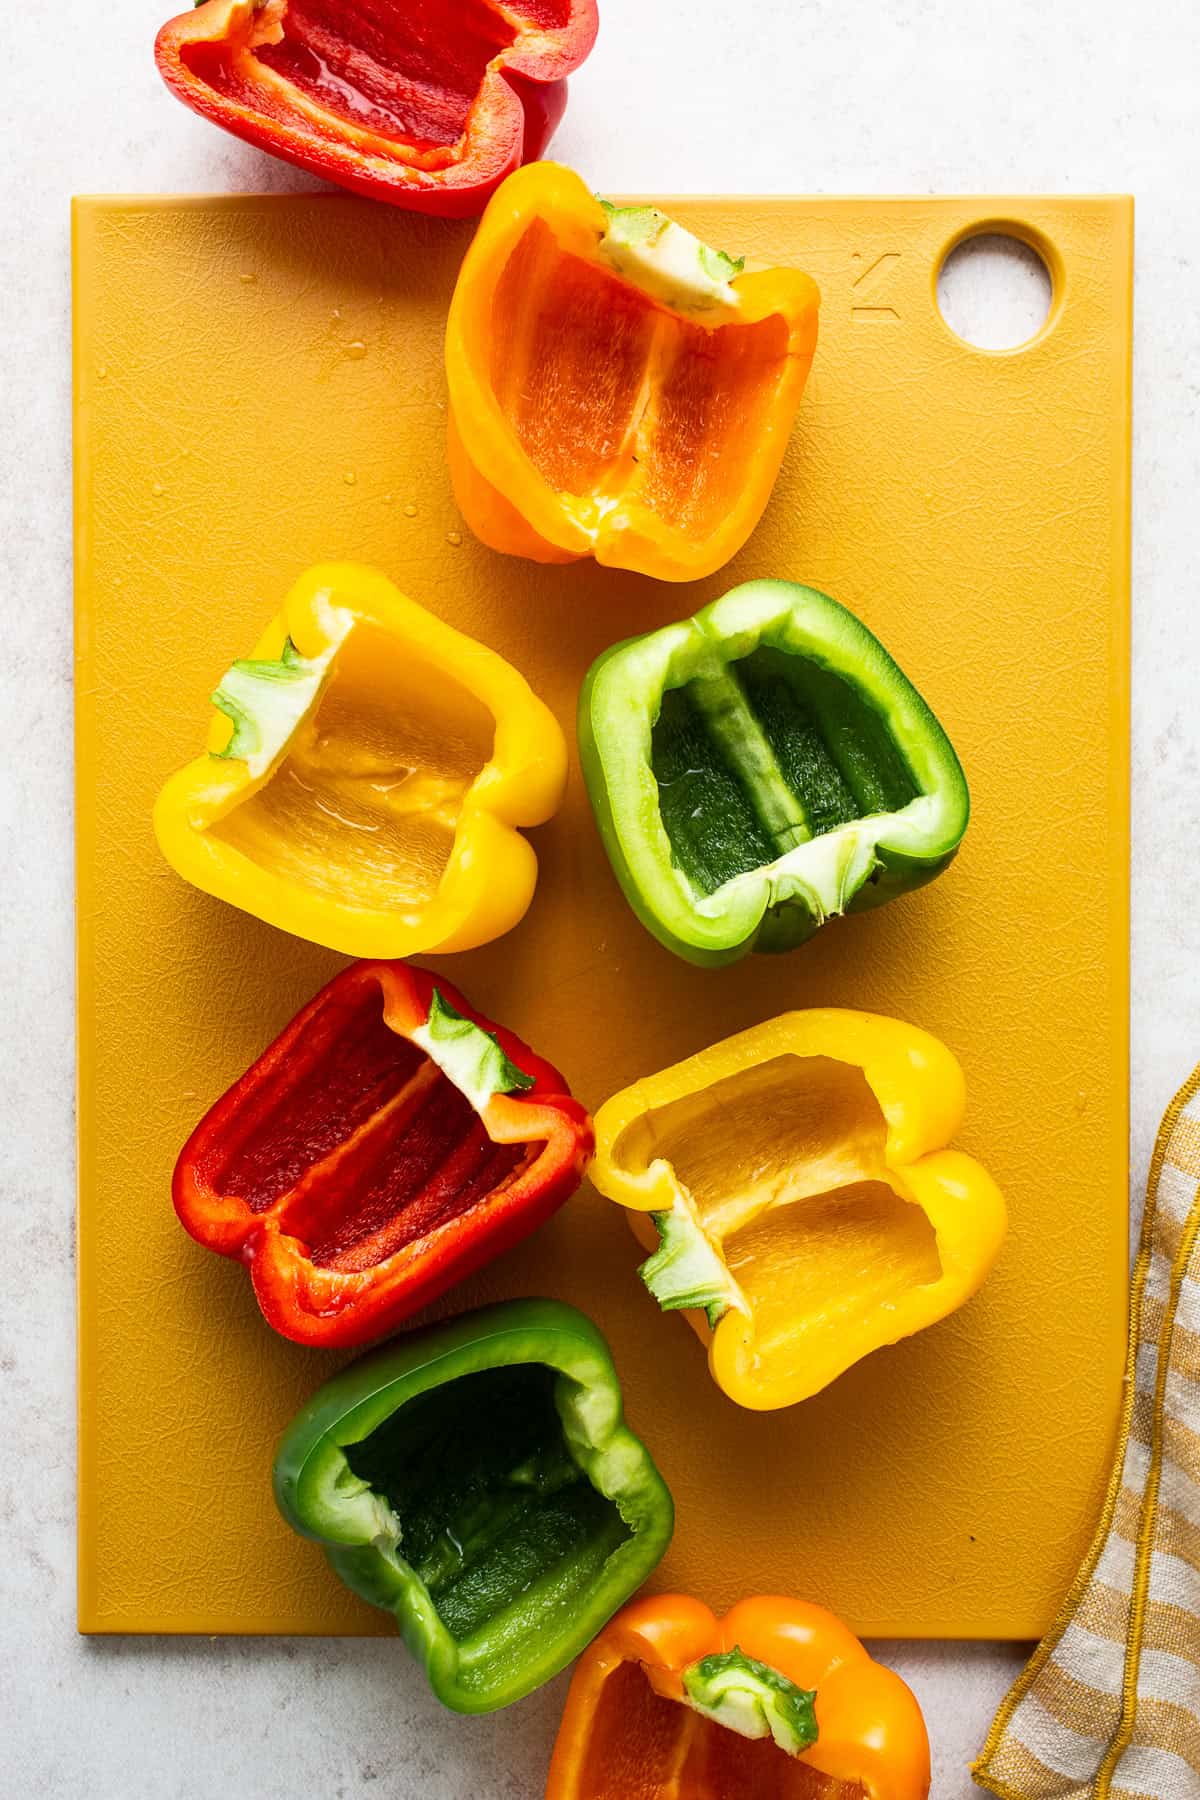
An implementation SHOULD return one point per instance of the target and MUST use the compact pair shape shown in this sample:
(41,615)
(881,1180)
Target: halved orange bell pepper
(617,389)
(776,1701)
(367,776)
(796,1183)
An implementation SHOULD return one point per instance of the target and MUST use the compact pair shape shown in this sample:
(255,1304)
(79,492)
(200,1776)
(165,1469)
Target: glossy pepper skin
(617,389)
(662,1704)
(367,776)
(390,1142)
(427,104)
(477,1480)
(796,1181)
(762,767)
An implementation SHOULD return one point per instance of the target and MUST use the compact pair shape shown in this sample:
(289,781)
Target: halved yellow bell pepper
(366,776)
(617,388)
(805,1208)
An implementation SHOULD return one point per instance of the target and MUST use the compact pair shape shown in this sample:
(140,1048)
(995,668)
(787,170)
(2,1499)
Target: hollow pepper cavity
(761,767)
(778,1700)
(366,777)
(477,1480)
(427,104)
(617,388)
(388,1143)
(794,1183)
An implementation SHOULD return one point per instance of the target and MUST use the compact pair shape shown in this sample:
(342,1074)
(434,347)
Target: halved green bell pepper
(761,767)
(478,1481)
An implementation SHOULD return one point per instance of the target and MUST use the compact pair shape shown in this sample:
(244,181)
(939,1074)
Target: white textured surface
(780,95)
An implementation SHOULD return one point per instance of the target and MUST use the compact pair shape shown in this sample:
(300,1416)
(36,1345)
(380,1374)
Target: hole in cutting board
(994,291)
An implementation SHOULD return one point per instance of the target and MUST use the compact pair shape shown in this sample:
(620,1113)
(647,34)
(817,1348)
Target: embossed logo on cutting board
(869,305)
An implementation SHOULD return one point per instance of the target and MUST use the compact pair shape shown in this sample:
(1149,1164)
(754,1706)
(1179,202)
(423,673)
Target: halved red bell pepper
(388,1143)
(426,103)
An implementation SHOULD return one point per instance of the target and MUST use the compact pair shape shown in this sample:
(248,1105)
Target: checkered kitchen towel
(1110,1704)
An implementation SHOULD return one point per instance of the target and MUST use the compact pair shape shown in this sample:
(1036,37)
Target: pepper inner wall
(758,759)
(492,1507)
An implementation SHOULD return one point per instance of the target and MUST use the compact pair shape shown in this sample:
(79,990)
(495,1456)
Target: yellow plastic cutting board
(259,387)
